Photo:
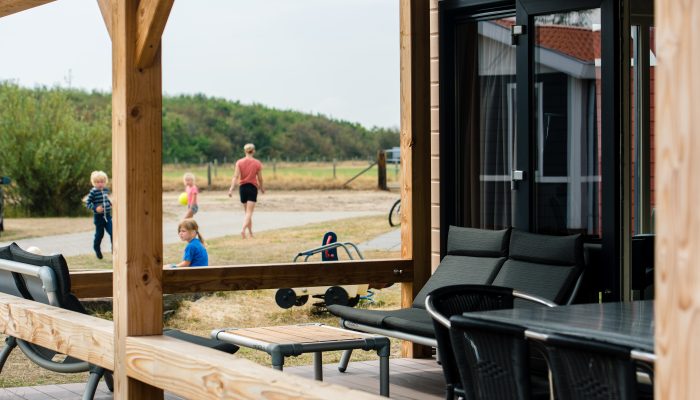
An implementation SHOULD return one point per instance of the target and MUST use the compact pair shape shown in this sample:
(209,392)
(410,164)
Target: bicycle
(395,214)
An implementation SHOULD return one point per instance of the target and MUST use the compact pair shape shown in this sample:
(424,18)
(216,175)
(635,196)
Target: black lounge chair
(545,266)
(46,279)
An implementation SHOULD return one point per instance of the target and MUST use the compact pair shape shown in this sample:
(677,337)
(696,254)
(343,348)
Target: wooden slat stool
(293,340)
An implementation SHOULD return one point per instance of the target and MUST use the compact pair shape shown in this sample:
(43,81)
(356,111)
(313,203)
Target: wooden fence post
(209,175)
(381,170)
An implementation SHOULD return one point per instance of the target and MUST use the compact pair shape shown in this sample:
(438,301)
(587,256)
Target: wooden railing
(179,367)
(87,284)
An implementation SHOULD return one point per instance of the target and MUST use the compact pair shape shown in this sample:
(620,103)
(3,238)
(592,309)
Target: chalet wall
(434,137)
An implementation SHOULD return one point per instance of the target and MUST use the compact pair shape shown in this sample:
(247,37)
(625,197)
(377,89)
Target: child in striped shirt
(98,202)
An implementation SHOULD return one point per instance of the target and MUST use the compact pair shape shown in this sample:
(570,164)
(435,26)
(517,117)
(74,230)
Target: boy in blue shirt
(98,202)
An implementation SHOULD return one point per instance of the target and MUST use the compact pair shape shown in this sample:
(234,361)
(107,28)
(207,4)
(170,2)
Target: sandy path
(222,216)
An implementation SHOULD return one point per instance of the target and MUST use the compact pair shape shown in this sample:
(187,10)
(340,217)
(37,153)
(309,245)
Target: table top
(298,334)
(629,324)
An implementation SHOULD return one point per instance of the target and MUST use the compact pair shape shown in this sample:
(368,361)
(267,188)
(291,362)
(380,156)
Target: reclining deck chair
(545,266)
(474,256)
(46,279)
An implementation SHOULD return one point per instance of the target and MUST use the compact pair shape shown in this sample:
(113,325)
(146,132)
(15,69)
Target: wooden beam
(86,284)
(415,150)
(138,214)
(106,11)
(8,7)
(677,280)
(81,336)
(195,372)
(152,17)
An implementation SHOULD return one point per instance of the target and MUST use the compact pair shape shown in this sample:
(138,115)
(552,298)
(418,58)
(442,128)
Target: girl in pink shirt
(192,192)
(248,176)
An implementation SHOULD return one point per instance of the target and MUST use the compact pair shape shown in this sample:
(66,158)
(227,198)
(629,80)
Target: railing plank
(81,336)
(179,367)
(86,284)
(194,372)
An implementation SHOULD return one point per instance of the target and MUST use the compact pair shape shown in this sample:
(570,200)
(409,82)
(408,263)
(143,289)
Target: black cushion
(416,321)
(552,282)
(201,341)
(546,249)
(361,316)
(543,265)
(477,242)
(460,270)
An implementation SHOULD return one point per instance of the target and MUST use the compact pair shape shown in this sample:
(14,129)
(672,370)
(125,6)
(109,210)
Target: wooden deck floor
(410,379)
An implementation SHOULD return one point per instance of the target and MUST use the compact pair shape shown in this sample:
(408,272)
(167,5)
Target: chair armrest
(430,308)
(533,298)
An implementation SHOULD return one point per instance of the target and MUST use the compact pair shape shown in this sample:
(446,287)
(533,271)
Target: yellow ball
(182,199)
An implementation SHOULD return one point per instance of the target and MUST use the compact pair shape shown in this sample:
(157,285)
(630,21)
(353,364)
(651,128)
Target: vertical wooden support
(677,313)
(415,151)
(136,166)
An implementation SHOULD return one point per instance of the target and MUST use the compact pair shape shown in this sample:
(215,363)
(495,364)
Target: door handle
(515,177)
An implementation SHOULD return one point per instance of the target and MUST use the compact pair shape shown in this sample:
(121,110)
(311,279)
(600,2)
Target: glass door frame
(452,12)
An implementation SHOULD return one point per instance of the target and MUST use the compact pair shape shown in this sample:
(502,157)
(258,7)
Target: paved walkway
(217,224)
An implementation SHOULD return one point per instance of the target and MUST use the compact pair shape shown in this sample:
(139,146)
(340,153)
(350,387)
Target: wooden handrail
(194,372)
(86,284)
(179,367)
(82,336)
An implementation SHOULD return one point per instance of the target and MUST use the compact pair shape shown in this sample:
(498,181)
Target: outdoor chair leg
(344,360)
(10,343)
(94,379)
(109,380)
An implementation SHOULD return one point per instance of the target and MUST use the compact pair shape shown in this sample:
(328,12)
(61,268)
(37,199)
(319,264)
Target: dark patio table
(629,324)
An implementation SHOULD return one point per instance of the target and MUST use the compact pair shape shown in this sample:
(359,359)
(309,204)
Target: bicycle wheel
(395,214)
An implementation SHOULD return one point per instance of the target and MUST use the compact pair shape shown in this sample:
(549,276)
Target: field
(200,314)
(285,175)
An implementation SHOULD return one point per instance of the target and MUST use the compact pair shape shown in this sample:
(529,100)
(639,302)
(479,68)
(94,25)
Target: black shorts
(248,192)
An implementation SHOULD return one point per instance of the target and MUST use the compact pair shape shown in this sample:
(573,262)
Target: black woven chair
(586,369)
(449,303)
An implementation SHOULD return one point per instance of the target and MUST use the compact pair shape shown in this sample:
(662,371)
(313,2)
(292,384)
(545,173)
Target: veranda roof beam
(152,16)
(106,10)
(8,7)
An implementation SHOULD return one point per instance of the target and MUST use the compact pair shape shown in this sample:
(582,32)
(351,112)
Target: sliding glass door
(529,128)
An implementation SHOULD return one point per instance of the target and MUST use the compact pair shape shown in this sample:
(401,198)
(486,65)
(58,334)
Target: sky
(339,58)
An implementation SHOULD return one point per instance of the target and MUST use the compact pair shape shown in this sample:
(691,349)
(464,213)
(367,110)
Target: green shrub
(49,150)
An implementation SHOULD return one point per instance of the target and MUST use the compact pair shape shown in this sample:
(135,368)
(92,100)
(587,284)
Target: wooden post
(274,167)
(677,280)
(137,176)
(209,175)
(334,161)
(381,170)
(415,151)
